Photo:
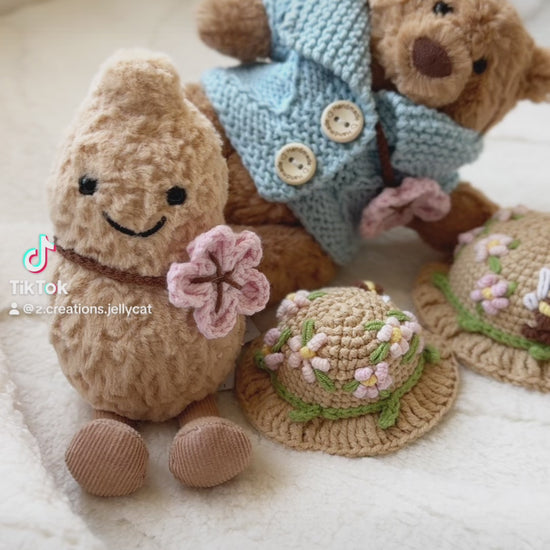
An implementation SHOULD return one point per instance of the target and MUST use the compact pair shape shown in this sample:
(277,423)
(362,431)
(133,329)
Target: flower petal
(254,294)
(360,392)
(273,360)
(307,373)
(294,360)
(295,343)
(318,341)
(385,333)
(272,337)
(372,392)
(321,364)
(364,374)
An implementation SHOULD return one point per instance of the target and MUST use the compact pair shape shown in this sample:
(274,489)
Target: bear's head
(141,172)
(471,59)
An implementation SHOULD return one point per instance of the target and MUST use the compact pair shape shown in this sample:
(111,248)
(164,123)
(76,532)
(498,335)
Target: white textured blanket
(481,479)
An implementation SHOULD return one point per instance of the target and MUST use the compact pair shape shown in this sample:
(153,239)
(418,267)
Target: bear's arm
(238,28)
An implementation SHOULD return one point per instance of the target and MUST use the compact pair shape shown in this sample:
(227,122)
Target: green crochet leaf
(495,265)
(350,387)
(308,329)
(399,315)
(512,287)
(431,355)
(324,381)
(389,414)
(409,356)
(514,244)
(259,360)
(374,325)
(480,310)
(380,353)
(316,294)
(283,339)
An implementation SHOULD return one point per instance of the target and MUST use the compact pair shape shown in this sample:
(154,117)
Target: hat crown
(343,348)
(501,276)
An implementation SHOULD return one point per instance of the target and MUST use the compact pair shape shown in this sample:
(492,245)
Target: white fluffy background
(480,479)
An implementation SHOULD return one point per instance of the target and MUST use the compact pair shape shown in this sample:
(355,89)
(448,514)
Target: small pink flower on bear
(491,293)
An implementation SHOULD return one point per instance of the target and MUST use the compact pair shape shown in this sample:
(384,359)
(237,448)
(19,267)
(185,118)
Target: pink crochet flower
(292,303)
(494,245)
(220,282)
(372,381)
(272,360)
(395,206)
(467,238)
(306,356)
(492,293)
(399,335)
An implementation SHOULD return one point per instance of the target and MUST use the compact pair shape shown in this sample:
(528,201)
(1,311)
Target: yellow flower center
(291,297)
(396,335)
(493,243)
(544,308)
(266,350)
(306,353)
(372,381)
(487,293)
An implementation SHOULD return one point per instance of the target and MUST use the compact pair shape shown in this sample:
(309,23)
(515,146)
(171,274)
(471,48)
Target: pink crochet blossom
(398,335)
(372,381)
(292,303)
(467,238)
(395,206)
(494,245)
(272,360)
(491,292)
(306,356)
(220,282)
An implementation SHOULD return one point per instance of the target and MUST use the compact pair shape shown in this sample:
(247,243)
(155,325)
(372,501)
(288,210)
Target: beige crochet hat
(345,372)
(493,304)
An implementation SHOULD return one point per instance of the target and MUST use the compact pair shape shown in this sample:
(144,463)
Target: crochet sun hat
(493,304)
(345,372)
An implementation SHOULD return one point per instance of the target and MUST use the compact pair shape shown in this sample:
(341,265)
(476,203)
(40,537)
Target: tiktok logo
(35,260)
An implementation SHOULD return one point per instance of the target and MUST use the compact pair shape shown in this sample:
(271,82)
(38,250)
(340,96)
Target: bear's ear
(537,82)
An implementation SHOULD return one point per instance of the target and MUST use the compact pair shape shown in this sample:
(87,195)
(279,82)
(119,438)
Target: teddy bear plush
(338,104)
(137,198)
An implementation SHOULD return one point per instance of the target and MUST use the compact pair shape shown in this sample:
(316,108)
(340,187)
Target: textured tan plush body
(489,29)
(140,175)
(143,367)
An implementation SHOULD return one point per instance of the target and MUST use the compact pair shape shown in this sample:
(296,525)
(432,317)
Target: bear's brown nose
(431,59)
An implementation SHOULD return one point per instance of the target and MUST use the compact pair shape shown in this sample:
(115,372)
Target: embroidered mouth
(132,233)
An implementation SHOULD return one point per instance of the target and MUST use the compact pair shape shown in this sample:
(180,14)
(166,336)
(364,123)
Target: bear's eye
(442,8)
(176,195)
(480,66)
(87,185)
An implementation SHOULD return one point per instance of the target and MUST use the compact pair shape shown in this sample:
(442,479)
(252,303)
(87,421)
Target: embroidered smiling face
(472,59)
(141,173)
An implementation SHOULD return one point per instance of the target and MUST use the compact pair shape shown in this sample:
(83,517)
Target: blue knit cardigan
(321,54)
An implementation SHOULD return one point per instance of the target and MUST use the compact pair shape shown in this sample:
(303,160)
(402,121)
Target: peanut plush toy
(361,119)
(139,181)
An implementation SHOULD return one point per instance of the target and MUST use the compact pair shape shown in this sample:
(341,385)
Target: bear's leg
(470,208)
(108,456)
(208,450)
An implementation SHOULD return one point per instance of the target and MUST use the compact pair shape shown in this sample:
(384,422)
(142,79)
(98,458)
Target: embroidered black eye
(442,8)
(176,195)
(87,185)
(480,66)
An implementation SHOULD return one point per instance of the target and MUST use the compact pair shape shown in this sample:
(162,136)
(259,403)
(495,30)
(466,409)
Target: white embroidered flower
(398,335)
(293,303)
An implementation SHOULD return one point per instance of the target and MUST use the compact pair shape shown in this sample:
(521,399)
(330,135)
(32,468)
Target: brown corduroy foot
(108,458)
(209,451)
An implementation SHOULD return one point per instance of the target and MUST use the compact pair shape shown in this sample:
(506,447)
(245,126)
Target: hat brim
(421,409)
(476,351)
